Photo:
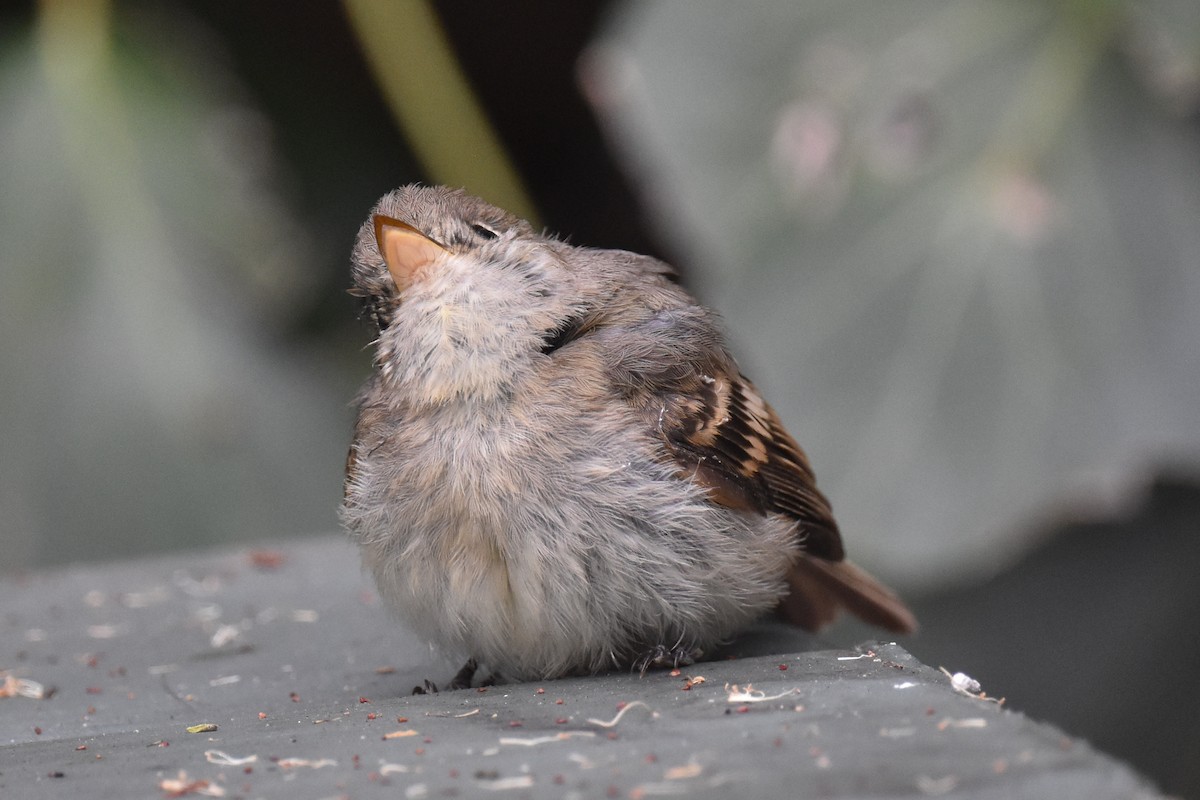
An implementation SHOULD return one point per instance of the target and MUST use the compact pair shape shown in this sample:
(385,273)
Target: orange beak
(405,249)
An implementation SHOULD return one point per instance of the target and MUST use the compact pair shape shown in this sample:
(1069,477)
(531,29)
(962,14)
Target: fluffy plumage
(557,466)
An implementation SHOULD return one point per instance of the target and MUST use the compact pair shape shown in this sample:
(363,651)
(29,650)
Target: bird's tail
(820,589)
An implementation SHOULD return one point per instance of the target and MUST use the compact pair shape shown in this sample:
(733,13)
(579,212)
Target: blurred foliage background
(958,245)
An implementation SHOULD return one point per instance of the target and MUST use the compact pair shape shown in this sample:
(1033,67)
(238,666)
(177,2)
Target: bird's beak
(404,248)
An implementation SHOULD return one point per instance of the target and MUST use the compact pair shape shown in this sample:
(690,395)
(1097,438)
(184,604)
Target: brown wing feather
(725,435)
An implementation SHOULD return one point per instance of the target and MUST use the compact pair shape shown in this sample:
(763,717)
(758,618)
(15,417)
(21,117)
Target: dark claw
(428,688)
(463,679)
(662,657)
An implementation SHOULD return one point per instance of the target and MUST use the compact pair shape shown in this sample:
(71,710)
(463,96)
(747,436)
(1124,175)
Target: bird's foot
(662,657)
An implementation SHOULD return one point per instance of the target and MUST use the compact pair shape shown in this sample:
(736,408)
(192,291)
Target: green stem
(433,103)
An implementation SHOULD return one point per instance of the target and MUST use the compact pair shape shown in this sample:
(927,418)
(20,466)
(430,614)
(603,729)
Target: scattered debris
(689,770)
(612,723)
(13,686)
(266,559)
(558,737)
(868,654)
(752,695)
(223,759)
(224,634)
(291,763)
(972,722)
(965,684)
(225,681)
(470,713)
(962,682)
(203,727)
(387,769)
(502,784)
(183,785)
(400,734)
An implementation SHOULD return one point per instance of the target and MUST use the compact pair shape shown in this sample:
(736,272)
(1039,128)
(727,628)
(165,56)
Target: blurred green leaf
(147,255)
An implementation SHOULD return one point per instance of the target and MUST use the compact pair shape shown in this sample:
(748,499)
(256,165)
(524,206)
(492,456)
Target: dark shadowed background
(957,245)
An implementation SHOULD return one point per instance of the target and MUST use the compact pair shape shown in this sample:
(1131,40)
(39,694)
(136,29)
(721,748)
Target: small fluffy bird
(557,466)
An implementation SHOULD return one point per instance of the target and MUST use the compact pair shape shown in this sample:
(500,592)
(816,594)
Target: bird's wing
(668,359)
(724,435)
(671,365)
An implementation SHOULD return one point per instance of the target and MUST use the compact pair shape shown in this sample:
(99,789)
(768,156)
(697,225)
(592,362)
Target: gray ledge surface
(286,650)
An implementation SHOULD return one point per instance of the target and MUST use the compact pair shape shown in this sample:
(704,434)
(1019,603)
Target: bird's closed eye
(484,231)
